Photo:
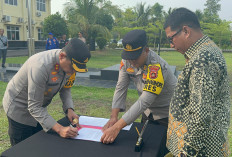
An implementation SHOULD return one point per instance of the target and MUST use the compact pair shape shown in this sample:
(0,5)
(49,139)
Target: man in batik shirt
(199,113)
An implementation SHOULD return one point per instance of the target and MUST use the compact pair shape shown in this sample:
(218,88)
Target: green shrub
(119,45)
(101,42)
(112,45)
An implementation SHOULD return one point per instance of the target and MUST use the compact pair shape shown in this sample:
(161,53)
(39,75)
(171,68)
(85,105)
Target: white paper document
(92,128)
(89,134)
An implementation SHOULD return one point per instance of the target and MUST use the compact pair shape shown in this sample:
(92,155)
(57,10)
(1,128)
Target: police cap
(133,43)
(79,54)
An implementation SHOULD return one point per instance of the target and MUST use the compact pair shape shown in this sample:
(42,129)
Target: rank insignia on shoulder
(154,82)
(57,67)
(144,76)
(53,72)
(121,64)
(54,79)
(130,70)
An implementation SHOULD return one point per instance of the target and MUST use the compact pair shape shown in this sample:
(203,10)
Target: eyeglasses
(170,39)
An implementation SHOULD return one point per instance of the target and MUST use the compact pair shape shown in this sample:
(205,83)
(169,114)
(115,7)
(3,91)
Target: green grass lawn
(94,101)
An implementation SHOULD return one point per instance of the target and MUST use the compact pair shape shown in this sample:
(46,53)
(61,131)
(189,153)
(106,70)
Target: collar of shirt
(193,49)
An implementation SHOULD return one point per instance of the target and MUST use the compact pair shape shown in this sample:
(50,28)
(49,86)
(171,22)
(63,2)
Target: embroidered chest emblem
(130,70)
(54,79)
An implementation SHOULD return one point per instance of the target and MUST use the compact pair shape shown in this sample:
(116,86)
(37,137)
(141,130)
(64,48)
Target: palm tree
(81,15)
(142,14)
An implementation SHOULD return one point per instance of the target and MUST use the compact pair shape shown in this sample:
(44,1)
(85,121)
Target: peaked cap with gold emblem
(78,53)
(133,43)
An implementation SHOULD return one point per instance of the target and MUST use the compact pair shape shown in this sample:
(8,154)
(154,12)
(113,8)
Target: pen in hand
(74,125)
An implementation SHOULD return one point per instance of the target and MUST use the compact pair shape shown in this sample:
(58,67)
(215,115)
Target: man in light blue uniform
(155,83)
(32,89)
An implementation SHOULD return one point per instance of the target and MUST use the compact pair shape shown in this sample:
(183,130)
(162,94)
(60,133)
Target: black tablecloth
(52,145)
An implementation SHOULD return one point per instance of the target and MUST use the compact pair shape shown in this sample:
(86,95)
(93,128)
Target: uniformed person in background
(155,84)
(32,88)
(52,42)
(63,41)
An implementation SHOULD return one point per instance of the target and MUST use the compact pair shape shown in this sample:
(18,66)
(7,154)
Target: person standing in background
(63,41)
(3,47)
(52,42)
(80,36)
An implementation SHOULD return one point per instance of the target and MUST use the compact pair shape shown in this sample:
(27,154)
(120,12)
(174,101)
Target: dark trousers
(19,132)
(164,122)
(3,53)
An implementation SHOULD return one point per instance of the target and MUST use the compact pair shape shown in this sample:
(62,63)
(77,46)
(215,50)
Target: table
(44,144)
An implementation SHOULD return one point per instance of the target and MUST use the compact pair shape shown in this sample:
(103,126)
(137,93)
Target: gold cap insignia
(128,47)
(86,60)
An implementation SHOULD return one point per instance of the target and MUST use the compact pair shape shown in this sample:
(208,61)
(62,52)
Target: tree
(105,19)
(219,33)
(211,11)
(199,14)
(82,15)
(158,20)
(128,18)
(142,14)
(55,24)
(157,10)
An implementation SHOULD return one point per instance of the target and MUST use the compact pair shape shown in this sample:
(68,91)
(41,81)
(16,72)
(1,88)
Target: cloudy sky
(225,13)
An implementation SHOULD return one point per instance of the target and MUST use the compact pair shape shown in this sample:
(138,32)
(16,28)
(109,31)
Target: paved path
(21,52)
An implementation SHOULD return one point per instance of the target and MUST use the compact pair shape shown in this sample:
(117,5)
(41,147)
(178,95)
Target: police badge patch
(154,71)
(155,81)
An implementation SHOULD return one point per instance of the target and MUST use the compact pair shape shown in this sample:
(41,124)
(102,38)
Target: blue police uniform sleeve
(47,45)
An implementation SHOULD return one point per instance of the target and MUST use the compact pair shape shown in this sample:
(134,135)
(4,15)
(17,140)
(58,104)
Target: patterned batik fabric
(199,114)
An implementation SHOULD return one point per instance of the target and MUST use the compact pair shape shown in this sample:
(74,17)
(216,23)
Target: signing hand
(110,123)
(72,115)
(109,135)
(65,132)
(68,132)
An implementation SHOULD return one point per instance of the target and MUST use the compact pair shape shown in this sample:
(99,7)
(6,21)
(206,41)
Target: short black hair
(180,17)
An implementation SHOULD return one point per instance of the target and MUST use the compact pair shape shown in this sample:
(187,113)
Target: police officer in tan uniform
(32,88)
(155,84)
